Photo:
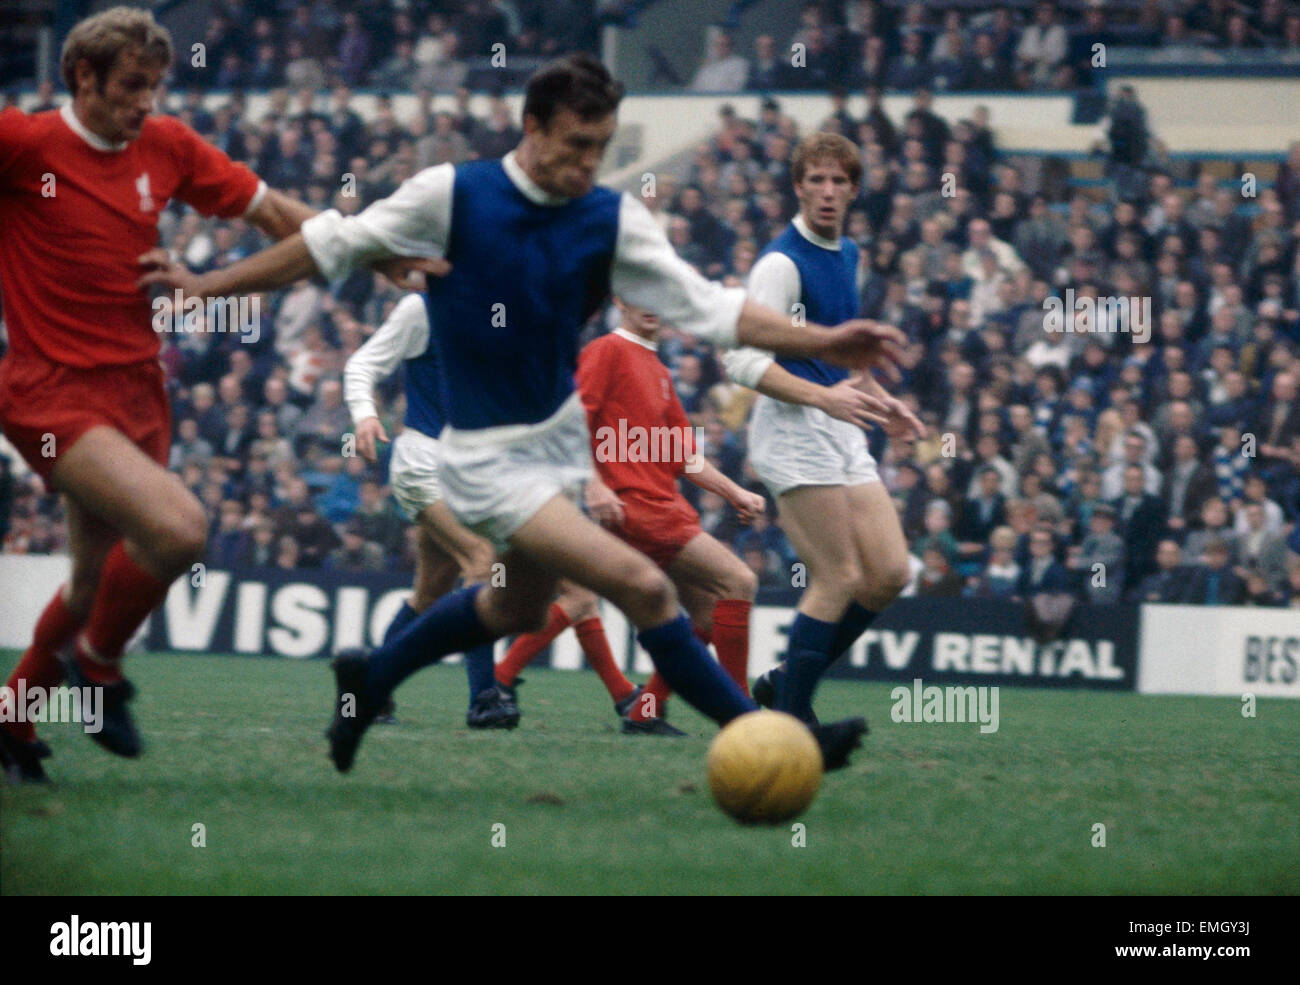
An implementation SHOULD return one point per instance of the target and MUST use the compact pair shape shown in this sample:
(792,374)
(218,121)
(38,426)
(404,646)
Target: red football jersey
(640,434)
(76,215)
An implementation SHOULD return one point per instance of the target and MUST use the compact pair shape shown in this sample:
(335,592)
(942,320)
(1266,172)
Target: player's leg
(444,551)
(89,541)
(718,591)
(818,521)
(572,601)
(559,535)
(580,608)
(558,541)
(455,623)
(647,712)
(435,575)
(163,531)
(882,553)
(449,551)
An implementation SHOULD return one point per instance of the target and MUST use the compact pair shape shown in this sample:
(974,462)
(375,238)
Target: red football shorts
(657,529)
(46,406)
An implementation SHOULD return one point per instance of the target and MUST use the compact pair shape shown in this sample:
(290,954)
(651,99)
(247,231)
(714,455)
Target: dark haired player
(534,248)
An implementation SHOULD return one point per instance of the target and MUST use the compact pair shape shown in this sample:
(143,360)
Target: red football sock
(40,666)
(525,647)
(125,597)
(642,709)
(595,647)
(731,639)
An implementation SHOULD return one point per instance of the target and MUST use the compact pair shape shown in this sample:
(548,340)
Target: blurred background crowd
(1094,463)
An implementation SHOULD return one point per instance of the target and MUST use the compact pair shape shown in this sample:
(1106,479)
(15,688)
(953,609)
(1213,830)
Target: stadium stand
(1051,451)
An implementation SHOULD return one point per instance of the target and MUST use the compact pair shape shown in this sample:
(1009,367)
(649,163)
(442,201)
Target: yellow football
(764,767)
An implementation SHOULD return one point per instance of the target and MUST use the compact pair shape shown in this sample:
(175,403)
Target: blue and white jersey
(800,268)
(528,269)
(403,337)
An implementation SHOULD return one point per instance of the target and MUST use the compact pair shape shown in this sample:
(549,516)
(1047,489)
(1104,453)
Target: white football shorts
(792,445)
(413,472)
(496,479)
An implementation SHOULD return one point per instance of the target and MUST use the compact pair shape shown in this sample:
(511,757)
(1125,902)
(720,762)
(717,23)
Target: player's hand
(748,505)
(409,273)
(864,344)
(605,507)
(166,272)
(368,432)
(900,422)
(846,402)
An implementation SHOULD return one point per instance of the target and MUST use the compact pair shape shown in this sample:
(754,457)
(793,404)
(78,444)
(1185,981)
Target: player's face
(640,321)
(117,108)
(568,151)
(824,195)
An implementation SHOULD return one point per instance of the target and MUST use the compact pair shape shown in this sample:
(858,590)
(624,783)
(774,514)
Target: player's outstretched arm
(279,265)
(407,229)
(857,344)
(845,401)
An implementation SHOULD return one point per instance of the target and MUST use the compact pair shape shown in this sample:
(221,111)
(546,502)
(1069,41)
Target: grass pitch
(1194,797)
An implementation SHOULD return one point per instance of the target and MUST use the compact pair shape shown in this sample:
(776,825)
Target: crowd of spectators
(958,46)
(1092,462)
(264,44)
(1155,459)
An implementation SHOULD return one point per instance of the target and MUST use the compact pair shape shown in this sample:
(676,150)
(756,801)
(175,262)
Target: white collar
(86,134)
(529,188)
(623,333)
(806,232)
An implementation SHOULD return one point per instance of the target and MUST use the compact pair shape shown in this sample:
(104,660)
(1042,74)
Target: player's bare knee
(476,564)
(891,582)
(741,583)
(182,539)
(651,595)
(845,579)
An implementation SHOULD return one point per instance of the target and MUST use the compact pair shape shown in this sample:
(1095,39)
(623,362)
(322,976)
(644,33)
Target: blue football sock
(480,662)
(852,624)
(400,621)
(689,670)
(809,656)
(450,625)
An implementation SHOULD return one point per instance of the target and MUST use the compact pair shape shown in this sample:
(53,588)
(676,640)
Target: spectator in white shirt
(981,238)
(1042,49)
(722,71)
